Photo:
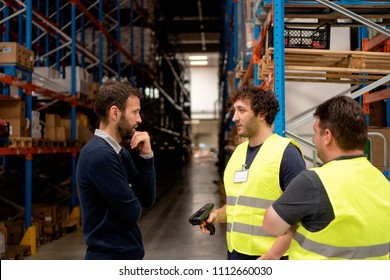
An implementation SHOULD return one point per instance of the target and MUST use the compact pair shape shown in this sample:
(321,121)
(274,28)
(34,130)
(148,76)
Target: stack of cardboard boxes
(54,130)
(14,112)
(57,128)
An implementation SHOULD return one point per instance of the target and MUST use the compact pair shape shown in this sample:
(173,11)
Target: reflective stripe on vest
(251,202)
(350,253)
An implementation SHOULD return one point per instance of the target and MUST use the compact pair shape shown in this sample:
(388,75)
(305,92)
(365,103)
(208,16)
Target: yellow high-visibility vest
(246,202)
(360,197)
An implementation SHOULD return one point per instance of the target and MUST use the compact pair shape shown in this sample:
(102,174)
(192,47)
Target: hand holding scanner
(200,217)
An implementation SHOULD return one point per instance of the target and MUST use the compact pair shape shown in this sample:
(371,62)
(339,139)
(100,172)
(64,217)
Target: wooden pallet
(29,142)
(17,252)
(328,66)
(20,142)
(58,144)
(41,142)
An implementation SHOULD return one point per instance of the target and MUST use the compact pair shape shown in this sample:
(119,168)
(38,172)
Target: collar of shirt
(115,145)
(350,157)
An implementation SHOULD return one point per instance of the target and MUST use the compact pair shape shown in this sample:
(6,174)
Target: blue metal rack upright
(73,104)
(228,60)
(280,120)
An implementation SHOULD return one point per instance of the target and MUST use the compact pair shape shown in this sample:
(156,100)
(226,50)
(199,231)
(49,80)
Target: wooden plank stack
(328,66)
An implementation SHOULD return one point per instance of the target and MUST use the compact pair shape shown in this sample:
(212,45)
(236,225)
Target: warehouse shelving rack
(91,35)
(379,43)
(267,13)
(227,81)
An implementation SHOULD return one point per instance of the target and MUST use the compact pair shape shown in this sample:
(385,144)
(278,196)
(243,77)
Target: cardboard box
(14,91)
(85,134)
(45,212)
(50,132)
(60,133)
(13,53)
(67,124)
(93,89)
(12,109)
(15,231)
(14,112)
(53,128)
(52,120)
(18,127)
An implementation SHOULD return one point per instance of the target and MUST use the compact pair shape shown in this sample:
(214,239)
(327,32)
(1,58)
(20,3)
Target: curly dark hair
(262,102)
(113,93)
(344,117)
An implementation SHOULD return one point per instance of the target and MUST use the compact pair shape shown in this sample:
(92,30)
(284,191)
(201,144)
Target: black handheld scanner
(200,217)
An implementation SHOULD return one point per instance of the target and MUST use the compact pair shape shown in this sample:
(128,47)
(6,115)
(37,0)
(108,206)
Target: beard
(125,130)
(247,131)
(321,156)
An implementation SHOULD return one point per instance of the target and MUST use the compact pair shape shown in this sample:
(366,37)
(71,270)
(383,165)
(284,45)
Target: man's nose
(235,118)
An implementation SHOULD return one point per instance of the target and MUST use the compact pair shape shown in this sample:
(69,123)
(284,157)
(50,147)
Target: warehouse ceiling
(192,26)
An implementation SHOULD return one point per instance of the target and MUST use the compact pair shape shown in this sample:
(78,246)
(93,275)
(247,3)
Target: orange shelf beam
(376,96)
(28,86)
(379,41)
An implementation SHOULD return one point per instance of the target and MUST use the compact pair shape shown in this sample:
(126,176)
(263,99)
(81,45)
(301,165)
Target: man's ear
(328,136)
(261,117)
(115,113)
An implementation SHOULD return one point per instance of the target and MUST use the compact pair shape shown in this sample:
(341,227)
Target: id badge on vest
(241,176)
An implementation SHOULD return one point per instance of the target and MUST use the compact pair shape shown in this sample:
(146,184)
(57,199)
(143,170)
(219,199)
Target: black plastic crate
(305,38)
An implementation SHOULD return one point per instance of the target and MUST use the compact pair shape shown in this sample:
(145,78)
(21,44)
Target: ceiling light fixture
(198,62)
(197,57)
